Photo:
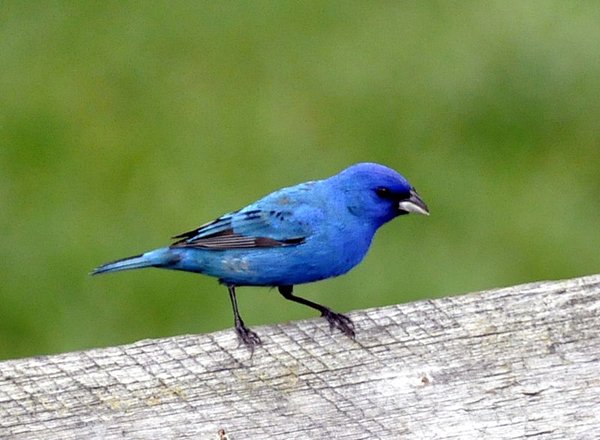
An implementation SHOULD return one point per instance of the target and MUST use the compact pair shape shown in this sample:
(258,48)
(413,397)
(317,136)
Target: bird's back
(321,239)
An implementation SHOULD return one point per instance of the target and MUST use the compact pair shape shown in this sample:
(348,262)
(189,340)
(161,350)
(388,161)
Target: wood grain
(510,363)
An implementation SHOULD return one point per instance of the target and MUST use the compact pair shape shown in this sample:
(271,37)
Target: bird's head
(378,193)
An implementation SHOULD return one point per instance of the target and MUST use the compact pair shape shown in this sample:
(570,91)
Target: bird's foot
(247,336)
(339,321)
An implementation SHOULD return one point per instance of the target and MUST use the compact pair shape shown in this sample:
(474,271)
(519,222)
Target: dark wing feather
(220,225)
(242,230)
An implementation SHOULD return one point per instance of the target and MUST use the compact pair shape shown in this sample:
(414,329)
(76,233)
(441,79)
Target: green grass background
(124,123)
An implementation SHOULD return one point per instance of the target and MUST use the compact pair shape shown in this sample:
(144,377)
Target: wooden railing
(511,363)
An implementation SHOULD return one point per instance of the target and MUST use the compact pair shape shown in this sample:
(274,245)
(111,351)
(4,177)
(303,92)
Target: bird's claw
(339,321)
(249,338)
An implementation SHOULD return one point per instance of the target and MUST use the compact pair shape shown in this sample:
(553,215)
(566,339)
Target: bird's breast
(331,253)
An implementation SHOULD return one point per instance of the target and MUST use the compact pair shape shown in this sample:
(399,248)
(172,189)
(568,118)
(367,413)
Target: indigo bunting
(300,234)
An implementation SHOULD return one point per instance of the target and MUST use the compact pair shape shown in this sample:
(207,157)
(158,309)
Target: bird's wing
(247,228)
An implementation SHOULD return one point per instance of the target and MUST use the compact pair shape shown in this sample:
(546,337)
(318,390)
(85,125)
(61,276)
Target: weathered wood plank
(509,363)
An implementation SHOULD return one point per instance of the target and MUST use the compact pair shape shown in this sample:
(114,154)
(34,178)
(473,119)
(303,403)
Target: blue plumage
(304,233)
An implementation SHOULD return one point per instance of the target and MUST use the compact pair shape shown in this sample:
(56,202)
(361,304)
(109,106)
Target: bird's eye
(383,192)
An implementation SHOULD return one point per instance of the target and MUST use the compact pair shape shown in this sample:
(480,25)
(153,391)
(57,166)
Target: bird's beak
(414,204)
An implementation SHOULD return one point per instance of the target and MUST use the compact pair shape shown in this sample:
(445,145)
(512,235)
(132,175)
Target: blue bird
(300,234)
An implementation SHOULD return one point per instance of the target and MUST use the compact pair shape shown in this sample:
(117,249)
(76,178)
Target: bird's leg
(247,336)
(335,320)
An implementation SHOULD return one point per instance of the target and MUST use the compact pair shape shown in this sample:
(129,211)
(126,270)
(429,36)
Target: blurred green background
(124,123)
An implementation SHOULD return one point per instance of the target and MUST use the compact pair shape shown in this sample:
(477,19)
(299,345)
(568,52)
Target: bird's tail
(154,258)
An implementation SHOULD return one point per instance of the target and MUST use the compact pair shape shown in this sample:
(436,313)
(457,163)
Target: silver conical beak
(414,204)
